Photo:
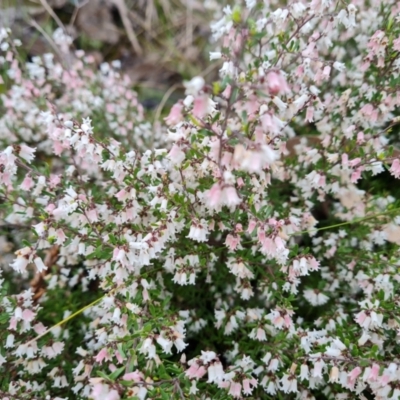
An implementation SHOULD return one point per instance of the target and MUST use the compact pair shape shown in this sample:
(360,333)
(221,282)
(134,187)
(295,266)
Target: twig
(76,11)
(123,12)
(50,41)
(47,7)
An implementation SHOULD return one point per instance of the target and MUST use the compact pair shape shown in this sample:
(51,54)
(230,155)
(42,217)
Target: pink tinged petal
(92,215)
(133,376)
(395,168)
(214,196)
(200,106)
(39,328)
(60,236)
(119,357)
(247,383)
(227,92)
(201,372)
(373,376)
(28,315)
(175,116)
(13,323)
(276,83)
(176,155)
(231,198)
(58,347)
(235,389)
(353,375)
(112,395)
(252,225)
(360,317)
(192,371)
(103,353)
(27,183)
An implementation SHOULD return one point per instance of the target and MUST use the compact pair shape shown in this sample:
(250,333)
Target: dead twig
(50,11)
(123,12)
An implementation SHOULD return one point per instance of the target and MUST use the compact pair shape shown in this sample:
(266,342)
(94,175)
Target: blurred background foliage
(160,43)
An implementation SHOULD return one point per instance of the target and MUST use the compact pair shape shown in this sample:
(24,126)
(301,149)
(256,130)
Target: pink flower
(175,116)
(102,355)
(269,124)
(119,357)
(326,72)
(227,92)
(252,225)
(135,376)
(13,323)
(235,389)
(395,168)
(396,44)
(200,106)
(122,195)
(356,175)
(353,375)
(276,84)
(27,183)
(176,155)
(196,370)
(310,114)
(373,376)
(60,236)
(28,315)
(231,199)
(214,196)
(247,389)
(232,241)
(92,215)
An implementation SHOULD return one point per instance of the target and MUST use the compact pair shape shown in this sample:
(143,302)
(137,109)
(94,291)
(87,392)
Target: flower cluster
(248,248)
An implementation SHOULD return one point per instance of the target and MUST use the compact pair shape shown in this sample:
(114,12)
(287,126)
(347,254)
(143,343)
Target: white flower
(215,372)
(315,297)
(10,341)
(194,86)
(27,153)
(166,344)
(228,69)
(199,231)
(148,348)
(180,344)
(208,356)
(215,55)
(288,384)
(250,4)
(339,66)
(39,264)
(304,372)
(193,388)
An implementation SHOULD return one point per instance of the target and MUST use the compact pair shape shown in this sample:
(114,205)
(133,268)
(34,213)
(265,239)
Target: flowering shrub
(251,252)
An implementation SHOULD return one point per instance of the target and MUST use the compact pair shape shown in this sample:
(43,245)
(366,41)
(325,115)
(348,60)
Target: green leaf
(117,373)
(103,375)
